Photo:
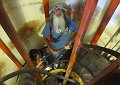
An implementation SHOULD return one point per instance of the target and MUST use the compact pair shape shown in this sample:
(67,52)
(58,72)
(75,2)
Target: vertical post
(87,15)
(46,8)
(113,5)
(10,31)
(10,54)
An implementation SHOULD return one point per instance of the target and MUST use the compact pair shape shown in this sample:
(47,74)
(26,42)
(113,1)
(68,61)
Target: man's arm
(49,46)
(47,37)
(73,28)
(69,44)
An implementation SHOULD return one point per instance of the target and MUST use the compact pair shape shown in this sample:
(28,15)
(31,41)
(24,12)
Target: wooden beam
(111,9)
(87,15)
(46,9)
(10,31)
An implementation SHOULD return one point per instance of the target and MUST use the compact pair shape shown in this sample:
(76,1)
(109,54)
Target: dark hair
(33,54)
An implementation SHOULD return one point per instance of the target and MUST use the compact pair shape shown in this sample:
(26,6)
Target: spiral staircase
(90,64)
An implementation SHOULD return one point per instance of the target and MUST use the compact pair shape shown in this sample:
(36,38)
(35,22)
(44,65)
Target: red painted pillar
(46,8)
(113,5)
(87,15)
(10,54)
(10,31)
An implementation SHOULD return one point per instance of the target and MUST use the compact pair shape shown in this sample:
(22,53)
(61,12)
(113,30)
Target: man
(57,30)
(36,58)
(27,79)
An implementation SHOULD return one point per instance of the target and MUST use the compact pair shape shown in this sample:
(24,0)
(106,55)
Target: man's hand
(54,51)
(67,47)
(49,46)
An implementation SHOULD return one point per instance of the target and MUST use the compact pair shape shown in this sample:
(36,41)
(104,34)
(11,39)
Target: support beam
(87,15)
(10,31)
(111,9)
(46,9)
(10,54)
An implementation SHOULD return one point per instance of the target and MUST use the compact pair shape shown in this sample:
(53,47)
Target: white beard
(58,23)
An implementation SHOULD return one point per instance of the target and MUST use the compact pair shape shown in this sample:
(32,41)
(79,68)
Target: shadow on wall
(29,34)
(27,30)
(15,13)
(77,9)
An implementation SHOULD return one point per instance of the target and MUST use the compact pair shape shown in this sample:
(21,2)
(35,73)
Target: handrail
(38,71)
(107,50)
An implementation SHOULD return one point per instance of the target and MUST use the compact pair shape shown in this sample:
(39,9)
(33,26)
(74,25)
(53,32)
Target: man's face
(39,62)
(57,11)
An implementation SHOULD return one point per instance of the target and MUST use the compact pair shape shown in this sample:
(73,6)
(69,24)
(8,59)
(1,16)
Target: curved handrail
(32,71)
(107,50)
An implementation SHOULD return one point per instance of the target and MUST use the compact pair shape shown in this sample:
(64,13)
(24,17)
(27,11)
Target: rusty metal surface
(10,54)
(82,65)
(87,15)
(10,31)
(104,73)
(112,7)
(90,65)
(95,62)
(114,67)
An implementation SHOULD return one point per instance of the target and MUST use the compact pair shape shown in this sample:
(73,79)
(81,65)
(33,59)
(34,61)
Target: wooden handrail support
(87,15)
(10,54)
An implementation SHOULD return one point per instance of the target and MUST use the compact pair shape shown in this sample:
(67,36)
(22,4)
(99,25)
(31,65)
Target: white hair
(58,23)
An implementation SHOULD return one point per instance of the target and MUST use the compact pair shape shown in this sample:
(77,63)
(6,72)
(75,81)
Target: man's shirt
(64,38)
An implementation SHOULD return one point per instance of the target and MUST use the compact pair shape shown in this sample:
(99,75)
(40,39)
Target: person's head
(36,58)
(57,9)
(58,18)
(34,54)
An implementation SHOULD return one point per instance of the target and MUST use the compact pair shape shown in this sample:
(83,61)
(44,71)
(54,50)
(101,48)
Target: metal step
(89,64)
